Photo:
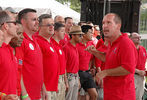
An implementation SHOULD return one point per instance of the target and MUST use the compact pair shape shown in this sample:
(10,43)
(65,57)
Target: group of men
(51,59)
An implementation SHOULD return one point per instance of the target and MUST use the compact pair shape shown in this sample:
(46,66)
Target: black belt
(84,71)
(136,74)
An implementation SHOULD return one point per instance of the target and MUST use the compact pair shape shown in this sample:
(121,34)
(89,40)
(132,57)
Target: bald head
(59,19)
(117,18)
(136,38)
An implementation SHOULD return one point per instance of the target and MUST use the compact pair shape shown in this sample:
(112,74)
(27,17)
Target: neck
(118,34)
(84,41)
(56,39)
(137,46)
(73,42)
(46,36)
(28,32)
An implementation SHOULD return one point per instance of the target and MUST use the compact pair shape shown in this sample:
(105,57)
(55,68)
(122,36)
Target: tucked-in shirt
(72,58)
(32,67)
(50,64)
(8,70)
(142,56)
(84,56)
(61,56)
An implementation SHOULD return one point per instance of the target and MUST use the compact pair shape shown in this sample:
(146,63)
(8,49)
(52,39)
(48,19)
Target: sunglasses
(48,25)
(80,35)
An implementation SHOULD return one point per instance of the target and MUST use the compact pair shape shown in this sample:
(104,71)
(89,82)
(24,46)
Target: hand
(141,72)
(67,86)
(45,96)
(79,84)
(93,71)
(101,75)
(91,49)
(10,97)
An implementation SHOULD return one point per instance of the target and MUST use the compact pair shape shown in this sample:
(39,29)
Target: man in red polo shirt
(85,61)
(8,63)
(68,25)
(140,67)
(50,56)
(59,19)
(72,62)
(120,59)
(16,43)
(32,71)
(58,35)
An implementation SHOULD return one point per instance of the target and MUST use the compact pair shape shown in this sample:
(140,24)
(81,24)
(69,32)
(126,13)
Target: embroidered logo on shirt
(114,50)
(51,49)
(31,46)
(20,62)
(60,52)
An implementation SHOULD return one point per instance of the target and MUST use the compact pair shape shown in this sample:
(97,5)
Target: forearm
(119,71)
(101,56)
(23,89)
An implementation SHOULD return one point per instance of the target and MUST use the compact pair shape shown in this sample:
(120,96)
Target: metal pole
(104,8)
(109,6)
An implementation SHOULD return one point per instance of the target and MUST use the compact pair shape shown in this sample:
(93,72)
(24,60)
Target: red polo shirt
(122,53)
(102,48)
(50,64)
(142,56)
(8,70)
(33,67)
(72,58)
(84,56)
(61,56)
(65,40)
(20,56)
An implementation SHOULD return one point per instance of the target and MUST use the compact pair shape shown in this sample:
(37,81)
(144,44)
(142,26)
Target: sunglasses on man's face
(80,35)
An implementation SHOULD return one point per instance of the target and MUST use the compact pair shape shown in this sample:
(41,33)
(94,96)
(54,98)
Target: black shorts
(86,80)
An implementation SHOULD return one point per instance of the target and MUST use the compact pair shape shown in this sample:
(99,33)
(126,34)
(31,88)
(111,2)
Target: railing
(144,43)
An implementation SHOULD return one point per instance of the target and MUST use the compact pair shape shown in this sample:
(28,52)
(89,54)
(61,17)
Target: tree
(73,4)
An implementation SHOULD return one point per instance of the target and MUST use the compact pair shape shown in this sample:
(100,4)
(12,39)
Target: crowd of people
(45,58)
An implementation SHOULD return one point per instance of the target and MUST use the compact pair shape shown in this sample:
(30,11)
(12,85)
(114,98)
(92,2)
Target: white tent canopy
(42,7)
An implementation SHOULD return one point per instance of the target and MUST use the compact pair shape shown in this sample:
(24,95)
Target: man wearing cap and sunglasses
(72,62)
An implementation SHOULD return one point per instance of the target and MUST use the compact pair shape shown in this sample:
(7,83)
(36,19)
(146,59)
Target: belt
(72,74)
(136,74)
(84,71)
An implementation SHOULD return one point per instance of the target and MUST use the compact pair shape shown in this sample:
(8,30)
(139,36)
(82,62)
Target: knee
(94,96)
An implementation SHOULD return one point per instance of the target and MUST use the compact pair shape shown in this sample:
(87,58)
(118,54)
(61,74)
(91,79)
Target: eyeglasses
(48,25)
(14,22)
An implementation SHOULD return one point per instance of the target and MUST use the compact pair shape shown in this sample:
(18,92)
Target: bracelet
(2,95)
(25,96)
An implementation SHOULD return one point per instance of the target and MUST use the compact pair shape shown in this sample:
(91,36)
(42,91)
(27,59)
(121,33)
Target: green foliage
(74,4)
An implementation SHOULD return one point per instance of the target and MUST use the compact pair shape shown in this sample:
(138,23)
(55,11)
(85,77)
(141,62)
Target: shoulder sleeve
(128,55)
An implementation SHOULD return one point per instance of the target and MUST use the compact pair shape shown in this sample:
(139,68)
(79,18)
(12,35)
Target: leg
(75,89)
(139,86)
(92,93)
(71,81)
